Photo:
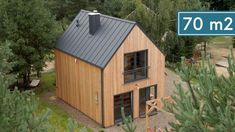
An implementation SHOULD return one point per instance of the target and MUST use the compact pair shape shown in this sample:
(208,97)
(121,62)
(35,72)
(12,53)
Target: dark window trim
(146,66)
(132,81)
(155,85)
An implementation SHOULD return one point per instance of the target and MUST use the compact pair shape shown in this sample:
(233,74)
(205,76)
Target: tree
(185,45)
(128,124)
(220,4)
(158,18)
(209,102)
(173,47)
(5,64)
(111,7)
(32,31)
(17,110)
(68,9)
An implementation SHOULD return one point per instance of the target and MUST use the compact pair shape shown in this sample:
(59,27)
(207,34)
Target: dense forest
(33,34)
(28,32)
(156,17)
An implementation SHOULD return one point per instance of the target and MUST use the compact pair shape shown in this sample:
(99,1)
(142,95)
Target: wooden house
(104,63)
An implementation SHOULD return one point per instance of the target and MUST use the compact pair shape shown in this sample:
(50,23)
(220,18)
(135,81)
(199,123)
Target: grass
(47,83)
(58,118)
(221,41)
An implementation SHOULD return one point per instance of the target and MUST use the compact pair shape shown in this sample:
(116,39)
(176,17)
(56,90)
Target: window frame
(131,107)
(155,86)
(134,71)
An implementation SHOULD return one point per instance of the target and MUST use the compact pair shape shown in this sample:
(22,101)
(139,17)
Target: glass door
(125,101)
(146,94)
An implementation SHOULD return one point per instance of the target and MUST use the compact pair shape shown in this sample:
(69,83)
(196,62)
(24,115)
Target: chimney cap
(95,12)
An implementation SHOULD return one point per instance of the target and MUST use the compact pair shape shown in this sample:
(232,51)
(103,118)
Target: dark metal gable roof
(95,49)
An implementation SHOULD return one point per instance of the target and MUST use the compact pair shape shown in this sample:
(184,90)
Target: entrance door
(146,94)
(125,101)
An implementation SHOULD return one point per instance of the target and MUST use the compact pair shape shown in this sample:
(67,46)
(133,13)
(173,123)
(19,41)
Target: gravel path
(159,120)
(50,65)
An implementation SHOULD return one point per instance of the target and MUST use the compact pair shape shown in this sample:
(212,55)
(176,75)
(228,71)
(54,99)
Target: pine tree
(32,31)
(17,110)
(157,18)
(209,102)
(5,64)
(128,123)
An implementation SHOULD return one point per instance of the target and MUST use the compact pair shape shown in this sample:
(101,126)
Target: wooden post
(147,117)
(155,104)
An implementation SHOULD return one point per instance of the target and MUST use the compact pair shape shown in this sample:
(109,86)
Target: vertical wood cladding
(79,84)
(114,79)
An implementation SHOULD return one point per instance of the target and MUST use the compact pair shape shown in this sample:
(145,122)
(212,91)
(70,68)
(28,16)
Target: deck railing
(155,104)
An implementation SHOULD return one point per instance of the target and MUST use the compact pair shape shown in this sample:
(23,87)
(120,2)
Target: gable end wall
(113,73)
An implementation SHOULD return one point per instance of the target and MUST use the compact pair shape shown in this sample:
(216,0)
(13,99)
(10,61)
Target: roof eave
(100,67)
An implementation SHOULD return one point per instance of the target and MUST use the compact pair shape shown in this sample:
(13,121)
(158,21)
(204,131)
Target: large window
(125,101)
(135,66)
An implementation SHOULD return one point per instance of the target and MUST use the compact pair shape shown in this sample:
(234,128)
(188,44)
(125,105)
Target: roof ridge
(112,17)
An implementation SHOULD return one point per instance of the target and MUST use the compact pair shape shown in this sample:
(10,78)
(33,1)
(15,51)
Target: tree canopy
(158,20)
(220,4)
(17,110)
(32,30)
(208,104)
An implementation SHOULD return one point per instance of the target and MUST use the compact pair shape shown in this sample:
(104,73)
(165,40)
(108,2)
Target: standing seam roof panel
(79,39)
(85,41)
(95,49)
(116,33)
(96,53)
(75,32)
(79,29)
(101,43)
(95,39)
(68,33)
(107,54)
(81,42)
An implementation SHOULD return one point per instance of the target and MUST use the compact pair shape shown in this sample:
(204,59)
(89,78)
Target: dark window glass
(141,59)
(146,94)
(129,62)
(141,73)
(129,76)
(125,101)
(135,66)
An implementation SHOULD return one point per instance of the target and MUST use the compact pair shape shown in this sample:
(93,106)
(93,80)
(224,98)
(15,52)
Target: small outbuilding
(104,63)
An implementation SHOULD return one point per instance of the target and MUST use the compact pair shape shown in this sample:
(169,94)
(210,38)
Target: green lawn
(58,118)
(47,83)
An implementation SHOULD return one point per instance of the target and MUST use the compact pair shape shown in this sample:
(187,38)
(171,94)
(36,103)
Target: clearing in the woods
(218,48)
